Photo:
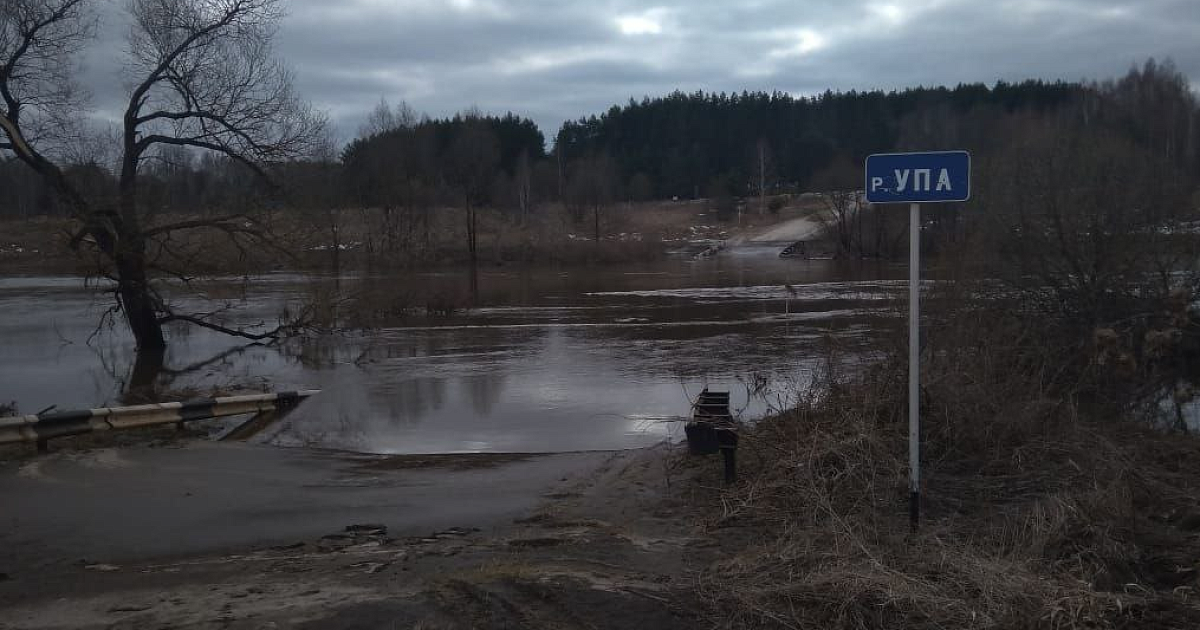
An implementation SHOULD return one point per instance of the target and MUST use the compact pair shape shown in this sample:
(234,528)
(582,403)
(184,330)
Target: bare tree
(764,169)
(473,156)
(839,185)
(592,186)
(202,77)
(523,181)
(1088,226)
(383,119)
(394,174)
(314,183)
(1160,110)
(38,41)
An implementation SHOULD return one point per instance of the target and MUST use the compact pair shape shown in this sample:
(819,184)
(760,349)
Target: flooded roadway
(549,360)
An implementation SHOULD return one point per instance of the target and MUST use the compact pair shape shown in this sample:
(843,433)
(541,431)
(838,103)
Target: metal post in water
(914,364)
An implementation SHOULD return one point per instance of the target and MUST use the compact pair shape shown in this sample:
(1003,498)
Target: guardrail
(41,428)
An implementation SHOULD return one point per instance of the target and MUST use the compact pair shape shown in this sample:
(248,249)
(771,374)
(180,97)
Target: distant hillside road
(800,229)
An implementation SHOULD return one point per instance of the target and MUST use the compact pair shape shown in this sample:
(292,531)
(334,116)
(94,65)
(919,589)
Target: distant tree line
(684,145)
(406,166)
(723,147)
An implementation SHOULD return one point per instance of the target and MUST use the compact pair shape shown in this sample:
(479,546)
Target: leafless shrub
(1041,510)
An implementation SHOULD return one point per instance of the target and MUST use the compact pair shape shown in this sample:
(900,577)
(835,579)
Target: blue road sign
(919,177)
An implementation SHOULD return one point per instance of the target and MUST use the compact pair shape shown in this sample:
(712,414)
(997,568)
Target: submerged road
(125,504)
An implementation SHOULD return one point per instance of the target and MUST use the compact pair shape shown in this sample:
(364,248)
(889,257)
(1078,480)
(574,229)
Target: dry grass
(1039,511)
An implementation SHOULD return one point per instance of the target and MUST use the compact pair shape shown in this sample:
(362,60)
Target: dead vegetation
(1046,504)
(1061,484)
(362,238)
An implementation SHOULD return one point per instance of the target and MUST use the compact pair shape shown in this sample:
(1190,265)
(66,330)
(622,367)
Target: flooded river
(548,360)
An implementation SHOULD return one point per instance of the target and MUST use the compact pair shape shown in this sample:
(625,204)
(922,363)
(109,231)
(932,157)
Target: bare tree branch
(284,329)
(204,144)
(233,225)
(222,223)
(158,21)
(38,40)
(213,83)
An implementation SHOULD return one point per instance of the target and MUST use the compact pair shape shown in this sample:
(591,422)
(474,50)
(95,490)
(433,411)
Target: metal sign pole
(916,178)
(914,363)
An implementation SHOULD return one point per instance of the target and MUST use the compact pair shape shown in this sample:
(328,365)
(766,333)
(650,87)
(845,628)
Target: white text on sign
(921,179)
(940,176)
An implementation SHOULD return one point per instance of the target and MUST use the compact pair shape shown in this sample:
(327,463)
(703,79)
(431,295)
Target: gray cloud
(557,60)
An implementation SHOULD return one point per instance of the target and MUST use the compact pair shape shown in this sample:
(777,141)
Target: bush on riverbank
(1054,494)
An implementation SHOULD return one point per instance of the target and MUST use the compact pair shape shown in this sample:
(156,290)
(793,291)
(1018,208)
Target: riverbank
(356,239)
(210,536)
(1064,525)
(1040,508)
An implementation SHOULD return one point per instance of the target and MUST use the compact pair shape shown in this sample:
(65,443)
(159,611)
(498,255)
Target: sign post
(914,364)
(916,178)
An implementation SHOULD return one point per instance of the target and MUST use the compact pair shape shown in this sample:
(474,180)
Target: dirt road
(207,496)
(798,229)
(209,536)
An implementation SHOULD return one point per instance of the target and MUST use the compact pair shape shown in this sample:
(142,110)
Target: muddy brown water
(550,359)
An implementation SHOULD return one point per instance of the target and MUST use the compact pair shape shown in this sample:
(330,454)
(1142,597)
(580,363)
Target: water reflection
(484,390)
(549,359)
(409,401)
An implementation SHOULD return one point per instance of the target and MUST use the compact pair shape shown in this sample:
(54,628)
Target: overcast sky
(557,59)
